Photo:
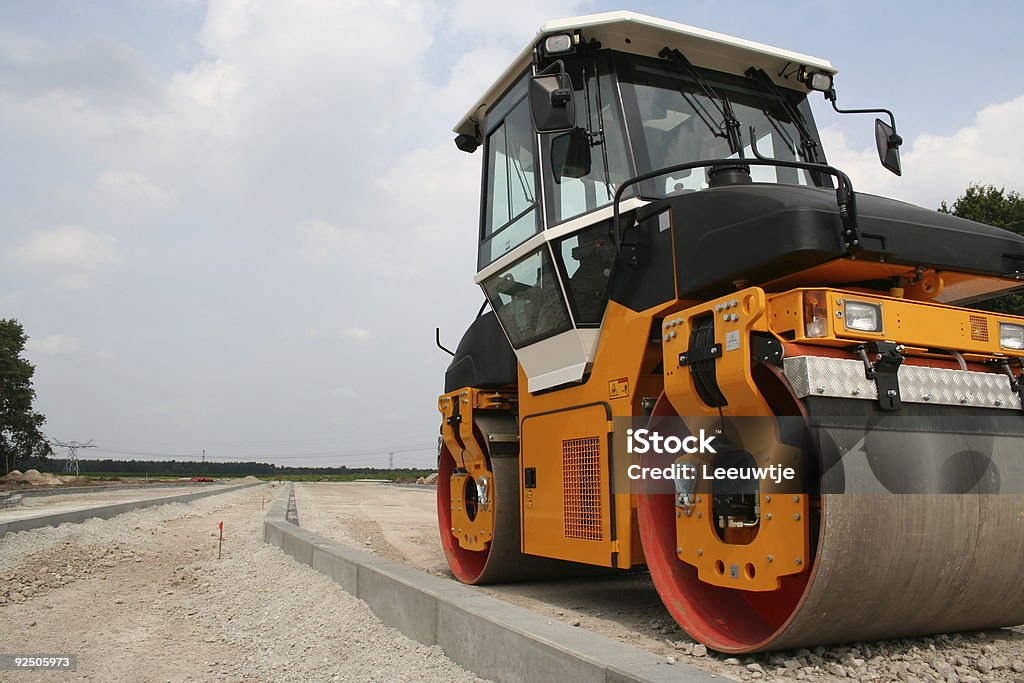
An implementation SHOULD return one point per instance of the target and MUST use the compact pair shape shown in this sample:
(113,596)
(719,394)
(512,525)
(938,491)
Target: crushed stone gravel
(142,596)
(351,513)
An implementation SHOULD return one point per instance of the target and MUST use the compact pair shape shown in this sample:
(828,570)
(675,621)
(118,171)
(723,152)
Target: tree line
(194,468)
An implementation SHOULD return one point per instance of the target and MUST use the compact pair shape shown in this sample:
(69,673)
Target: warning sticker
(618,388)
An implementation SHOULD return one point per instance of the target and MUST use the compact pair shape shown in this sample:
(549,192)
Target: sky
(233,226)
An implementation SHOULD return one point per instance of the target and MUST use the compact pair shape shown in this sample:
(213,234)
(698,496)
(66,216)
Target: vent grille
(979,328)
(581,491)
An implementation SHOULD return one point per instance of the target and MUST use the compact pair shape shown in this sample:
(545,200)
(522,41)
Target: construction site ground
(36,506)
(399,523)
(144,597)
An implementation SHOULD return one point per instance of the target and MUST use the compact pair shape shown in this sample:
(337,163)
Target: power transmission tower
(71,464)
(391,461)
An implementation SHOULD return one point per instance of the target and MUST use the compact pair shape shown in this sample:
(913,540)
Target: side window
(587,258)
(574,187)
(527,299)
(510,216)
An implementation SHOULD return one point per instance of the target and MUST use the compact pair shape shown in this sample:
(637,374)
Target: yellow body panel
(621,377)
(782,531)
(567,504)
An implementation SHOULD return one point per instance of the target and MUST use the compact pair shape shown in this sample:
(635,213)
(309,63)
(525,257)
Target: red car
(195,479)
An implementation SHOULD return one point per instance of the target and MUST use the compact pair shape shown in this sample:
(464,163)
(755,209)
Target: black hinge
(884,371)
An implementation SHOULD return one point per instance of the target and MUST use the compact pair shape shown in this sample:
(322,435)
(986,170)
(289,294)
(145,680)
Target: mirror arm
(560,97)
(831,97)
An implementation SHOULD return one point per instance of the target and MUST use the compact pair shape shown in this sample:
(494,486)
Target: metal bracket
(697,355)
(456,419)
(884,371)
(766,349)
(1016,381)
(647,403)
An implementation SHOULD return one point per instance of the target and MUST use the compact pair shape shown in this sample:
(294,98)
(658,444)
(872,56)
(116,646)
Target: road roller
(665,251)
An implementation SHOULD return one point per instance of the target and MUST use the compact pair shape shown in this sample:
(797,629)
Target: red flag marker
(220,541)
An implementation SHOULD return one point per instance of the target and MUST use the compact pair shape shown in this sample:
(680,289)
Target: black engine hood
(760,232)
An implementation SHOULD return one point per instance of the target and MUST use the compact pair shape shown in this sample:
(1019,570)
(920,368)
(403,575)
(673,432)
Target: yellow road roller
(685,301)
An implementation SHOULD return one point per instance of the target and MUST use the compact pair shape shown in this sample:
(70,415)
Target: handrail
(845,196)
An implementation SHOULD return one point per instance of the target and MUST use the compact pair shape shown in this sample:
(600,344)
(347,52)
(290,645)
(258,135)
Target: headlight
(816,80)
(1011,336)
(862,316)
(558,43)
(820,81)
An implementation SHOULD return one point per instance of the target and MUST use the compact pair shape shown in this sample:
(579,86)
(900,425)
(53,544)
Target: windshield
(671,121)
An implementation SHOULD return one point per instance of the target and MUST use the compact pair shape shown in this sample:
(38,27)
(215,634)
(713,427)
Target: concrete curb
(72,490)
(485,635)
(108,511)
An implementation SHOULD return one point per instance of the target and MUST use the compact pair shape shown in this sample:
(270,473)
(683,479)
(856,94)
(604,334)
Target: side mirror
(570,155)
(888,143)
(552,105)
(886,139)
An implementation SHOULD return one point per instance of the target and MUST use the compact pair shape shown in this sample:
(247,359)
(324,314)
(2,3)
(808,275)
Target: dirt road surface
(35,506)
(143,597)
(400,523)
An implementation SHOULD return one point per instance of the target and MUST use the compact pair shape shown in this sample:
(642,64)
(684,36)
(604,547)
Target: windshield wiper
(808,147)
(730,124)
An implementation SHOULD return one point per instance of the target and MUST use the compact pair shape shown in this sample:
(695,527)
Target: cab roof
(641,34)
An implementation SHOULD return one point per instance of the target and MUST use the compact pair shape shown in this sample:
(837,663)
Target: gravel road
(35,506)
(399,523)
(143,597)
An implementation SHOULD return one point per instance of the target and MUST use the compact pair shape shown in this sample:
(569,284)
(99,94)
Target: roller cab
(664,246)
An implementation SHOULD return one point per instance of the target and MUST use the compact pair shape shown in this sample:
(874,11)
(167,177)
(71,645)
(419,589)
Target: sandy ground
(35,506)
(143,597)
(399,523)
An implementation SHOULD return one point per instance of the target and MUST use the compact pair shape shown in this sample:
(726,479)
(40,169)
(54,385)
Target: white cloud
(52,345)
(431,196)
(19,49)
(132,187)
(519,24)
(935,167)
(72,282)
(356,335)
(344,392)
(70,246)
(323,242)
(188,411)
